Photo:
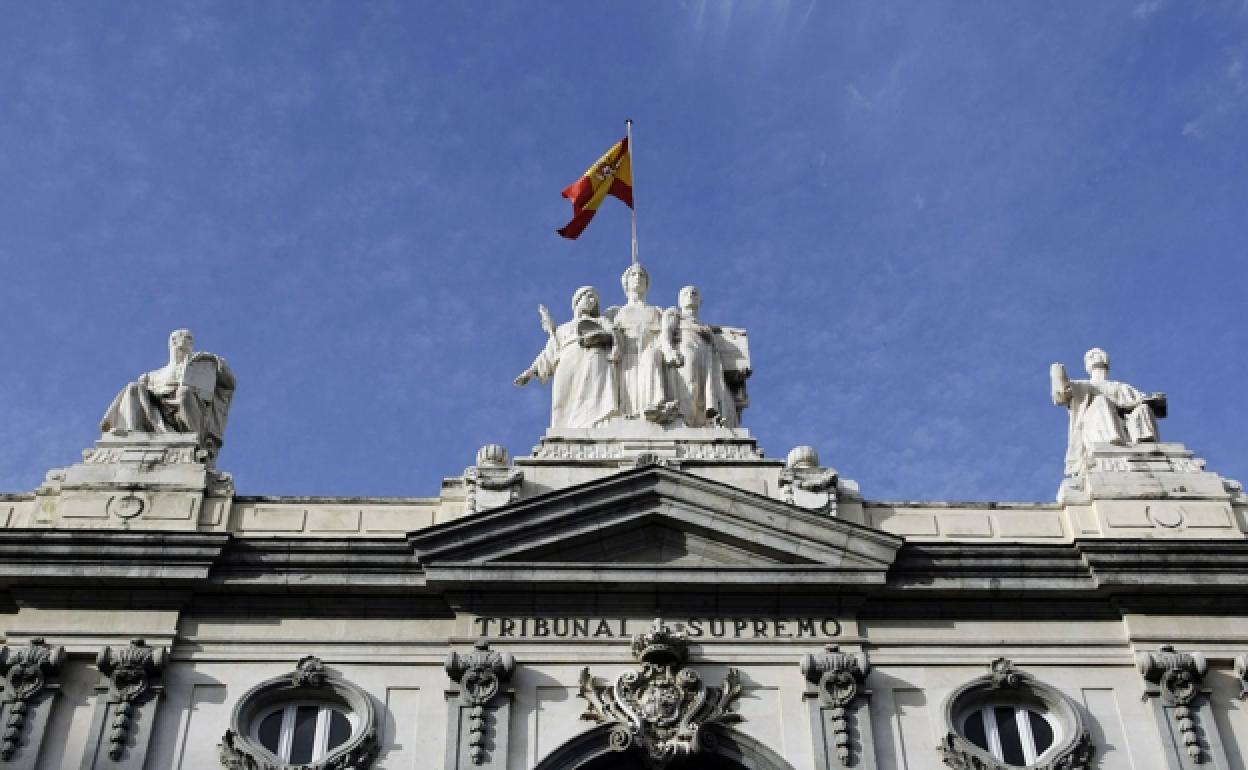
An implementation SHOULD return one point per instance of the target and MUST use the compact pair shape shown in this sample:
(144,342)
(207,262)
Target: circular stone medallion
(1166,517)
(126,506)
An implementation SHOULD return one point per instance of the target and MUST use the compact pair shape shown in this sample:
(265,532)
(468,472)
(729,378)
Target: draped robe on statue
(642,378)
(1107,412)
(584,393)
(189,397)
(701,389)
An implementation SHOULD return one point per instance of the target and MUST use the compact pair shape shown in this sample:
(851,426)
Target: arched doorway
(732,751)
(629,760)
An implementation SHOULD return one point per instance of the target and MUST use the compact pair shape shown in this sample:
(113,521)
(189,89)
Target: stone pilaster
(840,712)
(30,691)
(1189,734)
(125,707)
(479,712)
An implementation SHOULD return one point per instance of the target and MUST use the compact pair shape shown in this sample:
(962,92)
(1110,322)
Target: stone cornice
(49,557)
(1087,570)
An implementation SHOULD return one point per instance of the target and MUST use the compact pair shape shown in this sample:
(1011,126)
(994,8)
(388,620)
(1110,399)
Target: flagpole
(632,155)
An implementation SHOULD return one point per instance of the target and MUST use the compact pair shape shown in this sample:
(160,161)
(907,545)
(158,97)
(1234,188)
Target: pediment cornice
(654,524)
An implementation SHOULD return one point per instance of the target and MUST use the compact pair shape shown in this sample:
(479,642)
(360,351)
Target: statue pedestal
(1152,490)
(139,481)
(622,443)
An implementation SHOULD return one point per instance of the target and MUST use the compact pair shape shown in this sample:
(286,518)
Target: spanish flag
(612,174)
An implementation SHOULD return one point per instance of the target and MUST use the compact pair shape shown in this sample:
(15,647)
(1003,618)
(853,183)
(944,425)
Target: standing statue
(1103,411)
(645,337)
(698,382)
(190,394)
(580,355)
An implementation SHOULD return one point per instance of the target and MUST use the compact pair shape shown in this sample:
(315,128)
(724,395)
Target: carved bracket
(1178,676)
(663,707)
(480,675)
(27,671)
(130,671)
(839,677)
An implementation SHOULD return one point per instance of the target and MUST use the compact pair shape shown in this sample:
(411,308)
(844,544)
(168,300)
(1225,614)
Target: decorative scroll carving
(1004,675)
(804,482)
(1178,676)
(26,672)
(1241,671)
(958,753)
(480,675)
(492,481)
(130,671)
(237,752)
(309,672)
(663,707)
(839,677)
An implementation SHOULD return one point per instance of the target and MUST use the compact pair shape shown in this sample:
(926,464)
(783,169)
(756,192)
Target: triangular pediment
(653,524)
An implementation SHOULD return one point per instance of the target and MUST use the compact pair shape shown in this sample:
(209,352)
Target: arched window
(1015,733)
(308,719)
(300,732)
(1008,719)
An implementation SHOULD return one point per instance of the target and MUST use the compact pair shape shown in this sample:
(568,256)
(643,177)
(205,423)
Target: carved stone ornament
(26,672)
(1241,672)
(803,482)
(493,481)
(663,707)
(130,671)
(310,681)
(839,677)
(309,672)
(1072,751)
(480,675)
(1178,676)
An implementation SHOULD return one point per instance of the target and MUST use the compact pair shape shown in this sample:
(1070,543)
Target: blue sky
(913,207)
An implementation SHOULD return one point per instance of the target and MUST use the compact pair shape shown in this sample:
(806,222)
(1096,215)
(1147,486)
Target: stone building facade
(644,590)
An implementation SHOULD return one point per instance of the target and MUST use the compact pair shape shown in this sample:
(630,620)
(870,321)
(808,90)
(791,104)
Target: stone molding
(838,678)
(28,673)
(663,708)
(1178,677)
(1073,750)
(310,680)
(481,675)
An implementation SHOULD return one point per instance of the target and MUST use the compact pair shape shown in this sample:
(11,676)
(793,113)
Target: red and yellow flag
(612,174)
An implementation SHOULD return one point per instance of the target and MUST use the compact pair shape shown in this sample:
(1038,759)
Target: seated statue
(190,394)
(700,384)
(580,355)
(1103,411)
